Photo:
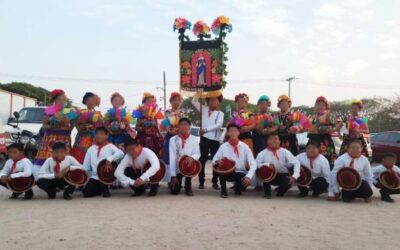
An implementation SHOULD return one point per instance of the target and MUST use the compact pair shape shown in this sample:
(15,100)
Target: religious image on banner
(202,62)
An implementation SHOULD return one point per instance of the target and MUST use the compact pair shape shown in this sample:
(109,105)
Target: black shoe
(28,195)
(215,186)
(314,195)
(387,198)
(67,196)
(238,192)
(279,194)
(302,195)
(267,196)
(51,197)
(189,192)
(106,194)
(201,186)
(152,193)
(224,195)
(14,196)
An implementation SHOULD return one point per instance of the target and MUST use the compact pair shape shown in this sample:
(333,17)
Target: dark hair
(354,141)
(389,155)
(59,145)
(86,96)
(102,129)
(184,119)
(18,146)
(232,125)
(312,143)
(130,142)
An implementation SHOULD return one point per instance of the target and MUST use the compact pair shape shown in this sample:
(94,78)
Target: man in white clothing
(212,121)
(100,150)
(352,159)
(239,152)
(282,159)
(52,172)
(387,164)
(129,171)
(319,167)
(182,144)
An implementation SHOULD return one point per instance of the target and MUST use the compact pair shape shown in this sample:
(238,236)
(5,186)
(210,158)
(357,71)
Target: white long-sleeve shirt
(191,148)
(47,169)
(361,164)
(109,152)
(283,160)
(23,168)
(211,121)
(376,171)
(320,164)
(145,156)
(244,157)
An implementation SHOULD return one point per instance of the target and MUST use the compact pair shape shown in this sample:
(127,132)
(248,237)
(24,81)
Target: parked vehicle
(3,149)
(11,102)
(384,142)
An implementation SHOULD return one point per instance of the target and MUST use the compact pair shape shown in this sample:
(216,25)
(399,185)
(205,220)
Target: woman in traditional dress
(264,124)
(118,121)
(289,123)
(356,127)
(244,118)
(323,124)
(88,120)
(57,125)
(147,116)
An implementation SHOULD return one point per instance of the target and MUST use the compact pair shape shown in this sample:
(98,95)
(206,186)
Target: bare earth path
(204,221)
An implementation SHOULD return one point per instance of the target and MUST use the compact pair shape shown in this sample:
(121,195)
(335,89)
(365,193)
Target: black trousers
(94,188)
(27,193)
(207,147)
(385,191)
(281,180)
(135,175)
(176,189)
(235,177)
(50,186)
(259,142)
(364,191)
(318,185)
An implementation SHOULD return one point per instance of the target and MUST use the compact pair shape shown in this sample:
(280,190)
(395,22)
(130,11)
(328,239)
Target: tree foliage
(40,94)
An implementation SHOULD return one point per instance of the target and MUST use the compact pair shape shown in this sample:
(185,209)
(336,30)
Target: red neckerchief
(275,152)
(312,161)
(234,143)
(184,138)
(391,169)
(138,153)
(57,167)
(352,161)
(14,165)
(100,146)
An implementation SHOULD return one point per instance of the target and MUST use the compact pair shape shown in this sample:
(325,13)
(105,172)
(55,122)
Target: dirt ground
(204,221)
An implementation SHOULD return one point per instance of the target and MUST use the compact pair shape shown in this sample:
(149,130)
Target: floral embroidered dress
(354,127)
(170,124)
(118,121)
(57,122)
(263,121)
(319,131)
(87,122)
(244,118)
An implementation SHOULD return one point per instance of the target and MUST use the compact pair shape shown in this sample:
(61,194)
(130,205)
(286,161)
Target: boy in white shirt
(320,169)
(387,164)
(283,160)
(238,151)
(16,166)
(182,144)
(101,149)
(129,171)
(52,172)
(353,159)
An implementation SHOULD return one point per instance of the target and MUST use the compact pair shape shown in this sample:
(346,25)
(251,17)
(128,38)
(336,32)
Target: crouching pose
(52,172)
(319,167)
(238,152)
(182,144)
(387,177)
(130,170)
(354,164)
(99,151)
(282,159)
(15,167)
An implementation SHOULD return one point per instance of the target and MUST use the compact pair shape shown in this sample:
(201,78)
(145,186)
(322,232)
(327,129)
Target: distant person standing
(264,124)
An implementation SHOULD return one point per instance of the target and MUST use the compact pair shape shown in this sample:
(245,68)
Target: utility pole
(289,80)
(164,89)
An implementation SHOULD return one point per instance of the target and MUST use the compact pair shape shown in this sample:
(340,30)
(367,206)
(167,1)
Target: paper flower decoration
(181,24)
(148,110)
(200,28)
(119,114)
(221,22)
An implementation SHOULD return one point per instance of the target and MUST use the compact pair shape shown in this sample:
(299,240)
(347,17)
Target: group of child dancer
(252,140)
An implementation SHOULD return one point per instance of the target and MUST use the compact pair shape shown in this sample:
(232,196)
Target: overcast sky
(340,49)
